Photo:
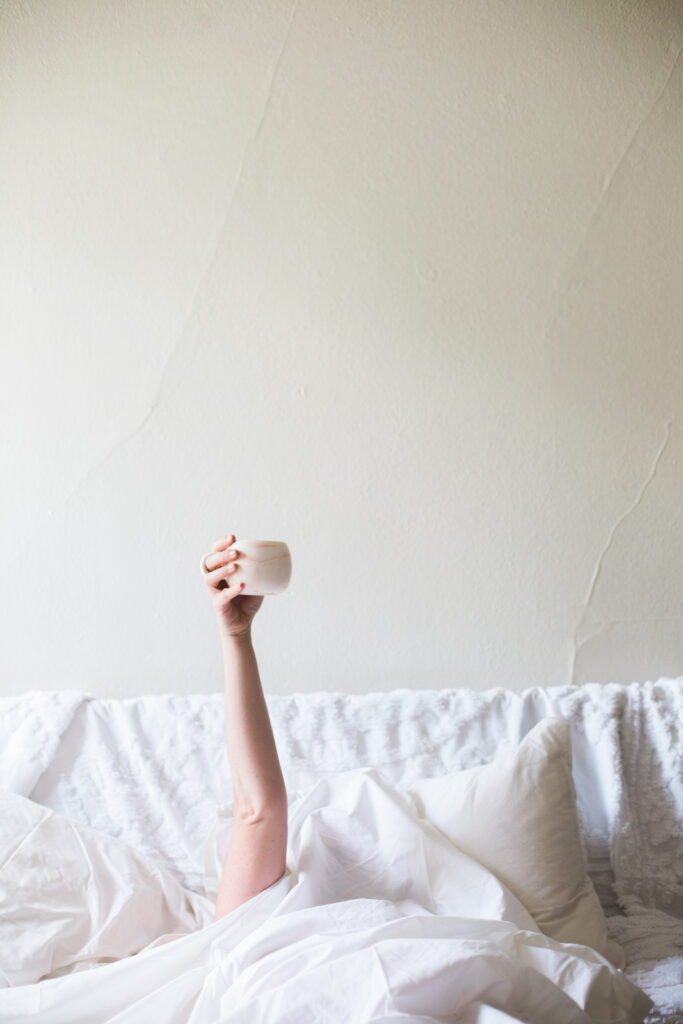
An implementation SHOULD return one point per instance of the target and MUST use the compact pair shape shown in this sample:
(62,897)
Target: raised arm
(258,844)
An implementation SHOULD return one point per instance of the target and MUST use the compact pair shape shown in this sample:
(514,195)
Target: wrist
(229,639)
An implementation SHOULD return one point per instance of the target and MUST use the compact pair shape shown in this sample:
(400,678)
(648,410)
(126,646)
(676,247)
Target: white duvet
(378,918)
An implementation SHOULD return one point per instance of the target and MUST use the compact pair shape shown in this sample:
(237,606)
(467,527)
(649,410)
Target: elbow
(266,806)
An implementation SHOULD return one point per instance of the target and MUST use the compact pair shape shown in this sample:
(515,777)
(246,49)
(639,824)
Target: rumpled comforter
(378,918)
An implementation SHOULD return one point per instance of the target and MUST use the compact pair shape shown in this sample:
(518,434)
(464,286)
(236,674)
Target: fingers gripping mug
(264,566)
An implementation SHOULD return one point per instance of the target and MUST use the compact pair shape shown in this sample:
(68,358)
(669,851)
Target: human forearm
(256,773)
(258,844)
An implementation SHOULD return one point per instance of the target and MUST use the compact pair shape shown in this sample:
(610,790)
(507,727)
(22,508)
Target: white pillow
(71,897)
(518,817)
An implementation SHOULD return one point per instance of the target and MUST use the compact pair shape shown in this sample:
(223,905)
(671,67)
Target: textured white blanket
(151,771)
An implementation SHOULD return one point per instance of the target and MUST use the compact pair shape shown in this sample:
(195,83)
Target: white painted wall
(396,282)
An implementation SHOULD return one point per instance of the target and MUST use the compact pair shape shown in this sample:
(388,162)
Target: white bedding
(152,771)
(378,918)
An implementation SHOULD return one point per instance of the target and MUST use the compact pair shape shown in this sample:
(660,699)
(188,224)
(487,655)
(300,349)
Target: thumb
(226,595)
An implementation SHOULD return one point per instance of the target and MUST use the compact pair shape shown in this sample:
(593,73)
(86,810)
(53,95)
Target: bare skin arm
(258,844)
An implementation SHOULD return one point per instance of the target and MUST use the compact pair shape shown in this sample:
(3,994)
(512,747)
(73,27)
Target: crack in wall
(578,259)
(194,316)
(600,627)
(606,624)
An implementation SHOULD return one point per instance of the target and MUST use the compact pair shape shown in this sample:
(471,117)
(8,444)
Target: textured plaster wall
(396,282)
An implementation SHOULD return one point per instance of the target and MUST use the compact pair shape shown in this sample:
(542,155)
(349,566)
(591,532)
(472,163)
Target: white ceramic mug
(264,566)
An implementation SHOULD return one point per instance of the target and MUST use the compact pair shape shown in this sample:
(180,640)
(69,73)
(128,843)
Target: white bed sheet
(377,918)
(151,771)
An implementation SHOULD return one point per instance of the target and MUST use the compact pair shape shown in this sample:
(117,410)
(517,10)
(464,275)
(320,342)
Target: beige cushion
(518,817)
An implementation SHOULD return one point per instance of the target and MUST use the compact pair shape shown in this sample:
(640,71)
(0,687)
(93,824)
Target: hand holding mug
(239,574)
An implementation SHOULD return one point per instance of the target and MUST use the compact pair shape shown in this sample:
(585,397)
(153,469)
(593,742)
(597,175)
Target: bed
(150,775)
